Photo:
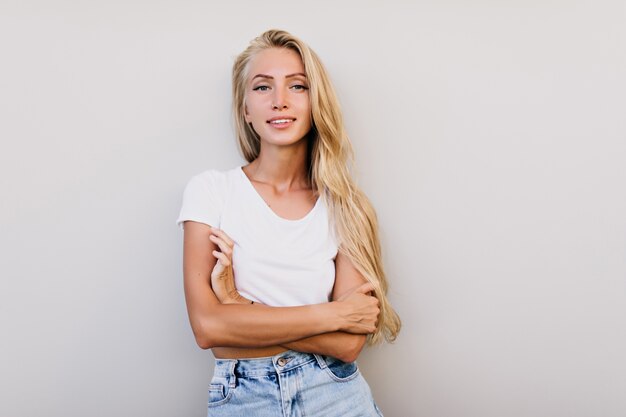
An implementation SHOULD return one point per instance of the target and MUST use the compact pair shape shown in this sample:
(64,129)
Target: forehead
(276,62)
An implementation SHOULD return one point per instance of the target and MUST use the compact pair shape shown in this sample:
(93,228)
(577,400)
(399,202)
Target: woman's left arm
(341,345)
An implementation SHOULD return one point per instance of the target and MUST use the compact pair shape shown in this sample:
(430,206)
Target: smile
(280,121)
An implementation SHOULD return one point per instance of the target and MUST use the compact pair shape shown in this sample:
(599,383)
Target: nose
(279,101)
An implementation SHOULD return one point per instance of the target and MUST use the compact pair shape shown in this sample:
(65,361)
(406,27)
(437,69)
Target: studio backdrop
(490,137)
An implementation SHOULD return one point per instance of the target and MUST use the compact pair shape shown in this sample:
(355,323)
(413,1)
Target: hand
(359,310)
(222,277)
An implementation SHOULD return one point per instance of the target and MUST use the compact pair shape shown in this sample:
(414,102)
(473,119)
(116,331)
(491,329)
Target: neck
(284,167)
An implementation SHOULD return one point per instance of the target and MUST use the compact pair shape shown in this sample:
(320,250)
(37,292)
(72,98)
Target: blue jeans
(290,384)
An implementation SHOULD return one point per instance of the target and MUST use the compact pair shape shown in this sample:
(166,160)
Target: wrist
(333,318)
(233,297)
(237,300)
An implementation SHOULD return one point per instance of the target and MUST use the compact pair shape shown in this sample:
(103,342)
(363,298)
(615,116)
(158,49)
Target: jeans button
(282,361)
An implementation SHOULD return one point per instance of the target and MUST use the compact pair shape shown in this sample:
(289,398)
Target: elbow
(204,335)
(352,350)
(350,356)
(204,342)
(347,357)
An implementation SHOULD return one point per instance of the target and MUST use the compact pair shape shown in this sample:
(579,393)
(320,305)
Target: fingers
(222,258)
(363,310)
(224,243)
(220,233)
(365,288)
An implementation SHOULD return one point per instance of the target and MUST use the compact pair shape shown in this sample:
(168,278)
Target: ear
(246,115)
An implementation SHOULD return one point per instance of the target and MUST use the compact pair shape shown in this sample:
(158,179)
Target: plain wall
(489,135)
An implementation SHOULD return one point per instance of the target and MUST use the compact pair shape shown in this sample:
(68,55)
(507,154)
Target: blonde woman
(282,264)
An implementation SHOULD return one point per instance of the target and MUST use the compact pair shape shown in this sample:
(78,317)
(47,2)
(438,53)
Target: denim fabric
(290,384)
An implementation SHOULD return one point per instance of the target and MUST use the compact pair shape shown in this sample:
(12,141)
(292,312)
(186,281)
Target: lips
(281,121)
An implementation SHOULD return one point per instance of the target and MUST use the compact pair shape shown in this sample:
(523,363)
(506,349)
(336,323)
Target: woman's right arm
(233,325)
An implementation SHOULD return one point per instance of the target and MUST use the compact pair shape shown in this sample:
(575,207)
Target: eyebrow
(301,74)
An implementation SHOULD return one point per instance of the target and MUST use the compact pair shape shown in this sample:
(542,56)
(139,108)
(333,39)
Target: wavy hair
(330,158)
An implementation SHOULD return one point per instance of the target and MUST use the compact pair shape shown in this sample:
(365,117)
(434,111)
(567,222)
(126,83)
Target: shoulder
(204,196)
(212,180)
(210,176)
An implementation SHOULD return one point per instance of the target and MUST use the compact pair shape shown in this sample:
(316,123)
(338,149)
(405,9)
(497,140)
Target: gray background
(489,135)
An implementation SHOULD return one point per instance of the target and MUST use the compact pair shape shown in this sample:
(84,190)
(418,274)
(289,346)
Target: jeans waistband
(281,362)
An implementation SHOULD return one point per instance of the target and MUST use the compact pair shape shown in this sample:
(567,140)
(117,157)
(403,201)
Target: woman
(298,238)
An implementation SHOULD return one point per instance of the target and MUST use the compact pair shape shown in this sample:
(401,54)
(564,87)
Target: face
(277,97)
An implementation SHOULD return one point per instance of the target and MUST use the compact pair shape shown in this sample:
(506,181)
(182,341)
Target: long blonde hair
(330,157)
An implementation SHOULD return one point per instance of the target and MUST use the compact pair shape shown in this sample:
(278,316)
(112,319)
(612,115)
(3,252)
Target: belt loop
(320,361)
(232,378)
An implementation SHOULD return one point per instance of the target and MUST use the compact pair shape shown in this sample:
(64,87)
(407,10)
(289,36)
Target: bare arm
(341,345)
(233,325)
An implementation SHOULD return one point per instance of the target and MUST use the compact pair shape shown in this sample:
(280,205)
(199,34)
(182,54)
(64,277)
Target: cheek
(304,107)
(256,107)
(309,120)
(307,112)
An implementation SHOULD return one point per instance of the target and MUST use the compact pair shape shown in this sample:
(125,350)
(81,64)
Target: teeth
(281,121)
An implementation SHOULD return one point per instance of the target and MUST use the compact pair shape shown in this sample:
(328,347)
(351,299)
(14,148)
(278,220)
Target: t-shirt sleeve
(202,200)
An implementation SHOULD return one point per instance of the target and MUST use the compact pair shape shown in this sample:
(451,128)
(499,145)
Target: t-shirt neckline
(260,199)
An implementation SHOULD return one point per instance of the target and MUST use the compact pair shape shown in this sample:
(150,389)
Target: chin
(285,141)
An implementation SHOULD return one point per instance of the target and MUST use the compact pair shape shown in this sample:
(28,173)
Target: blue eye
(261,88)
(300,87)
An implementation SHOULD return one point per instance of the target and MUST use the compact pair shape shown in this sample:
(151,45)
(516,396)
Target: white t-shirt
(277,262)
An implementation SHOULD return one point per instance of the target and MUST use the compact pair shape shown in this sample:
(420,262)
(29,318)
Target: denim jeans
(290,384)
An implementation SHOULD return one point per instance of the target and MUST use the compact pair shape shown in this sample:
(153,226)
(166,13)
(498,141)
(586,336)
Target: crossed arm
(337,328)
